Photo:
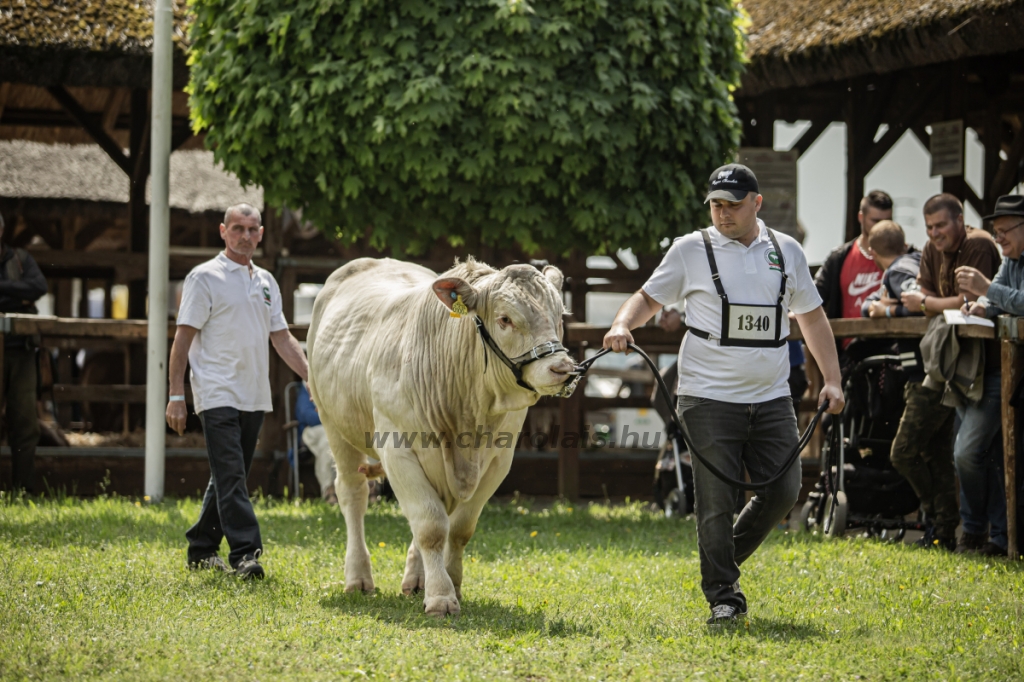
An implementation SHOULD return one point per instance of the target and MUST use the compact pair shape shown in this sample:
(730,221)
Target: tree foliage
(572,123)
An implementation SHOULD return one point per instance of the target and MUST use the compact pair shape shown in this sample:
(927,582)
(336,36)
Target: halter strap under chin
(517,363)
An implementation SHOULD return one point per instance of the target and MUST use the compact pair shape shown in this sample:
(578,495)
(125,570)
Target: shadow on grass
(477,614)
(773,629)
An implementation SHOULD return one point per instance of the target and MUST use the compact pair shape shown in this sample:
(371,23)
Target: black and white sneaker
(249,567)
(722,614)
(210,563)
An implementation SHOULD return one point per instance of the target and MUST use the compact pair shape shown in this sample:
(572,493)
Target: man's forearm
(822,344)
(287,346)
(183,336)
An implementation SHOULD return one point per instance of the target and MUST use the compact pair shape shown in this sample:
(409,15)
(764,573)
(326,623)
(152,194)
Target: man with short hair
(849,275)
(983,468)
(978,447)
(922,451)
(737,280)
(229,308)
(21,285)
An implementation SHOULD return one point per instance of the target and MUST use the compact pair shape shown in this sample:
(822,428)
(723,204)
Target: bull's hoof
(364,585)
(458,592)
(412,584)
(439,607)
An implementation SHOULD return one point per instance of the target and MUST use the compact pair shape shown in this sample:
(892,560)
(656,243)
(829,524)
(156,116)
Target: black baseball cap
(731,182)
(1008,204)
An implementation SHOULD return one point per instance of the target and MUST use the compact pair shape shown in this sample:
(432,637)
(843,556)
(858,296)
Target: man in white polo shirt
(229,308)
(738,281)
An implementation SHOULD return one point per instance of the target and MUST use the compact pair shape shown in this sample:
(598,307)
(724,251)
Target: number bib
(751,325)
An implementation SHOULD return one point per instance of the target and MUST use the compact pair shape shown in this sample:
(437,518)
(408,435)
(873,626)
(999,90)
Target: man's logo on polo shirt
(266,295)
(772,256)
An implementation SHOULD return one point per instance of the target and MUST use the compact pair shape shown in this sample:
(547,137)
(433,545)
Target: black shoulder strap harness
(717,279)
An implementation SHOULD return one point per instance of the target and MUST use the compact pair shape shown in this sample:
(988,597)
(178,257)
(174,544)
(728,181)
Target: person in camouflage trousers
(922,451)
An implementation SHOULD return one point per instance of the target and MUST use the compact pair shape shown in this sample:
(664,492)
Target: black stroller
(859,487)
(673,474)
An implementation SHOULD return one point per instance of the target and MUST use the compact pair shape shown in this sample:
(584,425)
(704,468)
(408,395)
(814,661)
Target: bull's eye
(505,322)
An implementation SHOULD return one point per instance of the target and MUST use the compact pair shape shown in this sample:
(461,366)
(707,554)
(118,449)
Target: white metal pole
(159,241)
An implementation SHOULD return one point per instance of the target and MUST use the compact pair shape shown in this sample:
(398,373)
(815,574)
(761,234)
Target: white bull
(386,357)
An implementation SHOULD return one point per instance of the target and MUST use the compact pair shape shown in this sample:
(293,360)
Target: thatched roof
(44,171)
(124,26)
(791,42)
(84,42)
(800,42)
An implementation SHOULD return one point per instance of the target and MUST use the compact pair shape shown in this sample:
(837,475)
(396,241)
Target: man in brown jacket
(977,451)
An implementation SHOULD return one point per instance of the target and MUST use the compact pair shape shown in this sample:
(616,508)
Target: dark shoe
(992,549)
(249,567)
(932,541)
(722,614)
(214,563)
(970,543)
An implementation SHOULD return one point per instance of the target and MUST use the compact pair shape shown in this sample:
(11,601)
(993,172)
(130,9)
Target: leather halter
(517,363)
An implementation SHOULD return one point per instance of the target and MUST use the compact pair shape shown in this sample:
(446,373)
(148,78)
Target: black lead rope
(584,366)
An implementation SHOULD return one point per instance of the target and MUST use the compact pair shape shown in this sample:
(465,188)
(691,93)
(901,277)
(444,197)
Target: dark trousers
(21,417)
(227,511)
(732,435)
(922,452)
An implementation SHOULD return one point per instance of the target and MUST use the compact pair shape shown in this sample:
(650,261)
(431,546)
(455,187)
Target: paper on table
(957,317)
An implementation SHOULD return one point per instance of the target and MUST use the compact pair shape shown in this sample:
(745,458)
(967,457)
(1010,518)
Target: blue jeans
(729,436)
(978,453)
(227,512)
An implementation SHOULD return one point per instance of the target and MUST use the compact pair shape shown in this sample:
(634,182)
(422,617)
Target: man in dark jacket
(849,274)
(21,285)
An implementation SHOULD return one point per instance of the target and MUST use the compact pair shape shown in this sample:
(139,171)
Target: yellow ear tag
(458,308)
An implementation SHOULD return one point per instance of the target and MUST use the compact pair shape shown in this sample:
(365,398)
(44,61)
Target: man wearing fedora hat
(982,496)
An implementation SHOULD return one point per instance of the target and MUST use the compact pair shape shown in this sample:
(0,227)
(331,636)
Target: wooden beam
(1004,178)
(592,336)
(855,116)
(96,131)
(5,90)
(973,199)
(112,109)
(955,109)
(991,137)
(880,148)
(811,135)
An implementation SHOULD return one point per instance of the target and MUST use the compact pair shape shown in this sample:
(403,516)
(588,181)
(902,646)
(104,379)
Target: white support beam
(159,242)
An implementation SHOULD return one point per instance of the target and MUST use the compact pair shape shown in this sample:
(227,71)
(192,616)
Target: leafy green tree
(571,123)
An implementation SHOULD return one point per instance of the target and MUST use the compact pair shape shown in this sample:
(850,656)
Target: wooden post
(3,329)
(1012,363)
(955,109)
(138,213)
(854,114)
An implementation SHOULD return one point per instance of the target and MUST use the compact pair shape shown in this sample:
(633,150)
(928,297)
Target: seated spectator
(922,451)
(978,449)
(312,434)
(1005,293)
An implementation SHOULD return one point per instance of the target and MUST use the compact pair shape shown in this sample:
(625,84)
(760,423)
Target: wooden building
(885,68)
(78,72)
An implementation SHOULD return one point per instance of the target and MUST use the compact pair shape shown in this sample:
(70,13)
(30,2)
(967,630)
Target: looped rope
(584,367)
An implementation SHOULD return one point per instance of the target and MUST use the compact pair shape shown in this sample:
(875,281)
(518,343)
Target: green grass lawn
(99,588)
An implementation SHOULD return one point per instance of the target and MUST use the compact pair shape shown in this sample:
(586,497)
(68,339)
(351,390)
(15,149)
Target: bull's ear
(553,275)
(448,289)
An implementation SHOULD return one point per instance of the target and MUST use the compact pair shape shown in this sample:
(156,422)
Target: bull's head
(521,309)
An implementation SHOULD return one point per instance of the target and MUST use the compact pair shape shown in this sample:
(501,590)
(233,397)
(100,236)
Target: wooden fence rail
(70,333)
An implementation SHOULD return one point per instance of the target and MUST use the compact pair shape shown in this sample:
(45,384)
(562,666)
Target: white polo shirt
(732,374)
(234,313)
